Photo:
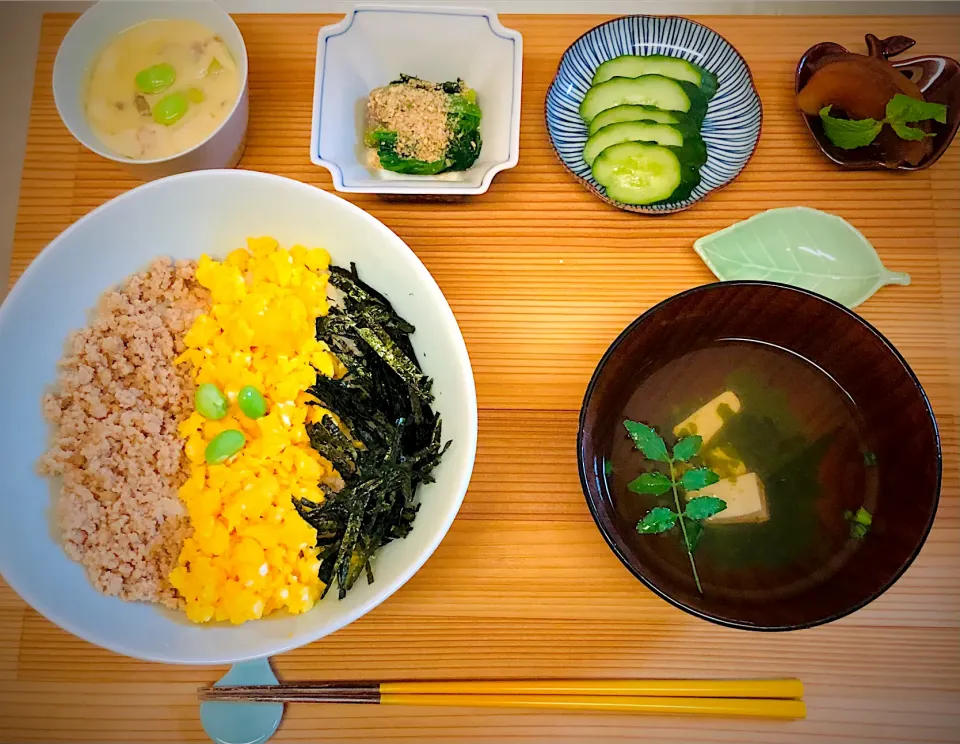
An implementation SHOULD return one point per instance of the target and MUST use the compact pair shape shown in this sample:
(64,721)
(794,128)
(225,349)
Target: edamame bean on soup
(160,88)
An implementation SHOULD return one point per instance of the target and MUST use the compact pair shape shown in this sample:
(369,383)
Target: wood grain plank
(542,277)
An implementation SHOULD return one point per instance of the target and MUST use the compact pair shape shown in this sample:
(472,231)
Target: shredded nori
(390,441)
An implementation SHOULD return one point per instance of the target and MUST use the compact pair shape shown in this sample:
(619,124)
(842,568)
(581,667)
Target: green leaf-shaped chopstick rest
(802,247)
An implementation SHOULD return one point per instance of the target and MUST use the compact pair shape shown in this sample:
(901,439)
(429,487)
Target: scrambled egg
(251,553)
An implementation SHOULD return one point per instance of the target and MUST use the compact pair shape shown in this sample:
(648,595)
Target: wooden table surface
(542,277)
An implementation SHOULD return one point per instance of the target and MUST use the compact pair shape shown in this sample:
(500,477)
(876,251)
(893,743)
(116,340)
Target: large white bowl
(183,216)
(95,29)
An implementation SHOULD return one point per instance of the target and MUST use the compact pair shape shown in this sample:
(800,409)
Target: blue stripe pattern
(732,125)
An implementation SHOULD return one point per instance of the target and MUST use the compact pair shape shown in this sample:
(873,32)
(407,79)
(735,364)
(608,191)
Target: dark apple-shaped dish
(938,79)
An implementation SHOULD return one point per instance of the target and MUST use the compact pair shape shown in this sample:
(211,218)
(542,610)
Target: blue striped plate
(731,129)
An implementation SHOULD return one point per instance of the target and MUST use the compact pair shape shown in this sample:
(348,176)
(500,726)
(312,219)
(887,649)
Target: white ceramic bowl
(374,45)
(94,30)
(184,216)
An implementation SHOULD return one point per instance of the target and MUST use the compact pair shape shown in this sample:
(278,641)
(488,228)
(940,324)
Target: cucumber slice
(632,113)
(649,90)
(698,103)
(708,82)
(637,172)
(631,131)
(631,66)
(693,152)
(689,176)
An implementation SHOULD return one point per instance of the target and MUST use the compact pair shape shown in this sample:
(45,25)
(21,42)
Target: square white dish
(371,47)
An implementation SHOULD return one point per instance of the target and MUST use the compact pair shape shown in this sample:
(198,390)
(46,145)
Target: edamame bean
(210,402)
(170,109)
(251,402)
(155,78)
(225,444)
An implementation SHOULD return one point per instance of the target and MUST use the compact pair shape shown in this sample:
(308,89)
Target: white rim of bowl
(95,146)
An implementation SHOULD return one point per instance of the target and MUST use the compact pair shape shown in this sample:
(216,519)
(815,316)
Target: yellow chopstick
(771,698)
(756,708)
(785,689)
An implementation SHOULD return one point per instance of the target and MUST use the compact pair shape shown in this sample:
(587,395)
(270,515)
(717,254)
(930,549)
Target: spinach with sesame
(416,127)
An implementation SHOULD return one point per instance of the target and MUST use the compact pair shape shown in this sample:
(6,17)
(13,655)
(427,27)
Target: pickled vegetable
(858,85)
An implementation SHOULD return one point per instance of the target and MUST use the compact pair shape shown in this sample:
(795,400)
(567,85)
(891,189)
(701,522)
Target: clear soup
(796,433)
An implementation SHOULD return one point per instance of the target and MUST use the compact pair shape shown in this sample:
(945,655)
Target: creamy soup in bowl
(156,87)
(160,87)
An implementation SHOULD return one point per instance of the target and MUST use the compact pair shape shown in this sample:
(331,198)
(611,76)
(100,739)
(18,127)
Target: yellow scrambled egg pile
(251,553)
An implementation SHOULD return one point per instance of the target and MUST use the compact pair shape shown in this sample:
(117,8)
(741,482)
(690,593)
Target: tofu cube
(707,421)
(745,497)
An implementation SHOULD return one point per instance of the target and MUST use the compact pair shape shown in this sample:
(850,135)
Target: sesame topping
(417,111)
